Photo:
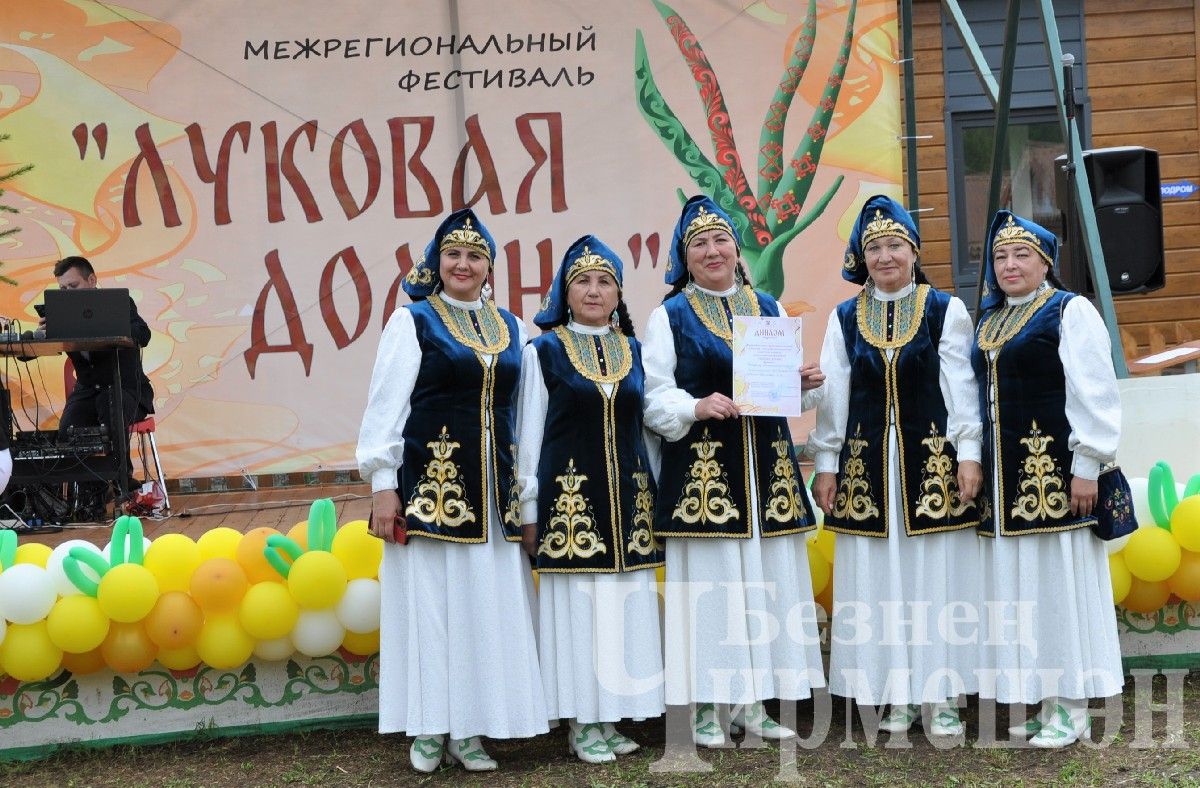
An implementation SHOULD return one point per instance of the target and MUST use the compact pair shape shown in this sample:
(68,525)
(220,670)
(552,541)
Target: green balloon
(8,548)
(276,543)
(75,574)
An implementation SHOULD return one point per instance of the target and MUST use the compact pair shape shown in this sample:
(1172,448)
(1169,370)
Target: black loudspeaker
(1127,194)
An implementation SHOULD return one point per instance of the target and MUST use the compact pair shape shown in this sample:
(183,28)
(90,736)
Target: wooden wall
(1143,86)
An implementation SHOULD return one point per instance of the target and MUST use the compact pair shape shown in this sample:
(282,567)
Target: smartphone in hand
(400,530)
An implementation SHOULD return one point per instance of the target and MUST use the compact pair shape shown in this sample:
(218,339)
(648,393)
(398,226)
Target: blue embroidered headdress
(880,216)
(461,228)
(1008,228)
(589,253)
(699,215)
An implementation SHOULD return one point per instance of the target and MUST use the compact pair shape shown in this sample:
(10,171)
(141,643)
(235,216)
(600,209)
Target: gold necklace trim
(711,309)
(458,322)
(581,352)
(1002,325)
(907,314)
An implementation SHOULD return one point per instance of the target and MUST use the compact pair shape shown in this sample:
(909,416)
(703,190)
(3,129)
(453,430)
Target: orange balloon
(1185,583)
(128,649)
(1145,596)
(175,621)
(250,556)
(85,663)
(363,645)
(298,533)
(218,585)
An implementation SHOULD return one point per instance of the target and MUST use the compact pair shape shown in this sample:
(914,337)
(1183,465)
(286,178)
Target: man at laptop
(89,402)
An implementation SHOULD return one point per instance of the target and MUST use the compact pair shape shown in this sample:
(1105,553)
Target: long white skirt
(600,646)
(740,623)
(456,640)
(905,627)
(1052,629)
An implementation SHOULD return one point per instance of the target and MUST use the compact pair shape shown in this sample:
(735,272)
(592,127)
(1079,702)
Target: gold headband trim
(1013,233)
(705,221)
(589,261)
(882,226)
(466,236)
(419,274)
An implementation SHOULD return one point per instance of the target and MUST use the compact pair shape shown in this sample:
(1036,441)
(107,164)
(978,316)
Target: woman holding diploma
(457,650)
(1042,356)
(739,617)
(897,450)
(587,503)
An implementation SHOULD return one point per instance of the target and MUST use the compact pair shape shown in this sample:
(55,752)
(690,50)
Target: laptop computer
(87,314)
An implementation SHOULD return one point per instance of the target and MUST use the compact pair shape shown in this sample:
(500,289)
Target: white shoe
(900,718)
(588,743)
(470,755)
(753,717)
(706,726)
(1065,727)
(946,721)
(425,753)
(619,744)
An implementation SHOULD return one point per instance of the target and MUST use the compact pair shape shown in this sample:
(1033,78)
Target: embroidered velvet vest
(595,490)
(1029,415)
(456,402)
(903,392)
(705,482)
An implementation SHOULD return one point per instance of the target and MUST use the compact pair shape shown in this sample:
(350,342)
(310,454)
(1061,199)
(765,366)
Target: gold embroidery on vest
(571,532)
(641,539)
(784,504)
(854,499)
(439,498)
(512,512)
(939,489)
(705,498)
(1041,481)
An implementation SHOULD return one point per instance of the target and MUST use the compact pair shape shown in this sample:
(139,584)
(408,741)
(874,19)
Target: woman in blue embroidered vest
(739,620)
(457,648)
(1053,418)
(587,501)
(897,450)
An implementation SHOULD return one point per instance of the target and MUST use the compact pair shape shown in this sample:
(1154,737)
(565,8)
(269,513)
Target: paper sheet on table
(767,354)
(1167,355)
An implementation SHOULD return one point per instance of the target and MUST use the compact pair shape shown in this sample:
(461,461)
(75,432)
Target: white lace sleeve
(957,381)
(670,411)
(1093,400)
(531,425)
(825,442)
(380,438)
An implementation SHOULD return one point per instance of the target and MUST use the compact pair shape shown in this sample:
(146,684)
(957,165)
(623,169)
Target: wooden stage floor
(242,510)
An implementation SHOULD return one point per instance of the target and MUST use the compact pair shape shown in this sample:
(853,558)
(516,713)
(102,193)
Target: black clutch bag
(1114,506)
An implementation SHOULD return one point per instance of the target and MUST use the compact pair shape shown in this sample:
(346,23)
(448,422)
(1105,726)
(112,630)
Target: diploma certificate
(767,354)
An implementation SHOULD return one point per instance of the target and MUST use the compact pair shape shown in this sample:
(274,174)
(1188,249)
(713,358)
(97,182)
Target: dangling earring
(614,320)
(485,292)
(570,316)
(739,281)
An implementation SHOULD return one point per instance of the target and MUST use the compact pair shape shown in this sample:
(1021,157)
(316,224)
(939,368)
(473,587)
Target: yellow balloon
(127,593)
(362,645)
(267,611)
(223,643)
(825,543)
(1152,554)
(219,543)
(1185,523)
(34,553)
(171,559)
(1122,578)
(28,654)
(184,658)
(76,624)
(317,580)
(358,550)
(819,568)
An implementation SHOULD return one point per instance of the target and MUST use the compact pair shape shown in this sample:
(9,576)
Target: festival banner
(261,174)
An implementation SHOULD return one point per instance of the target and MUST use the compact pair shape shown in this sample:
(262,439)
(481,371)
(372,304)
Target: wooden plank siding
(1143,87)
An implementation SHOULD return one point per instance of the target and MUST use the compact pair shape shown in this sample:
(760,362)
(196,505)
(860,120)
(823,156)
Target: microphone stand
(1071,214)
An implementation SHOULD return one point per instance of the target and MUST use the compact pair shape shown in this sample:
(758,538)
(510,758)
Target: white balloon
(1140,487)
(358,610)
(54,566)
(3,629)
(26,593)
(274,650)
(317,633)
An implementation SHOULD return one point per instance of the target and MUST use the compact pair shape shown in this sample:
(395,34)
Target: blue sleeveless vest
(456,402)
(1030,415)
(705,482)
(905,393)
(595,490)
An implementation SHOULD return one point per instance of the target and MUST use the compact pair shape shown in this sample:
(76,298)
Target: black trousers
(89,406)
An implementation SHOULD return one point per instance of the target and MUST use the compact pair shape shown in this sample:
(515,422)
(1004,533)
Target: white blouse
(956,381)
(397,363)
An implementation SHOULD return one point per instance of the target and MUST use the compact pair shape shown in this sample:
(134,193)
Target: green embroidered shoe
(1025,729)
(753,718)
(946,721)
(470,755)
(588,743)
(425,754)
(706,730)
(1064,729)
(900,718)
(619,744)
